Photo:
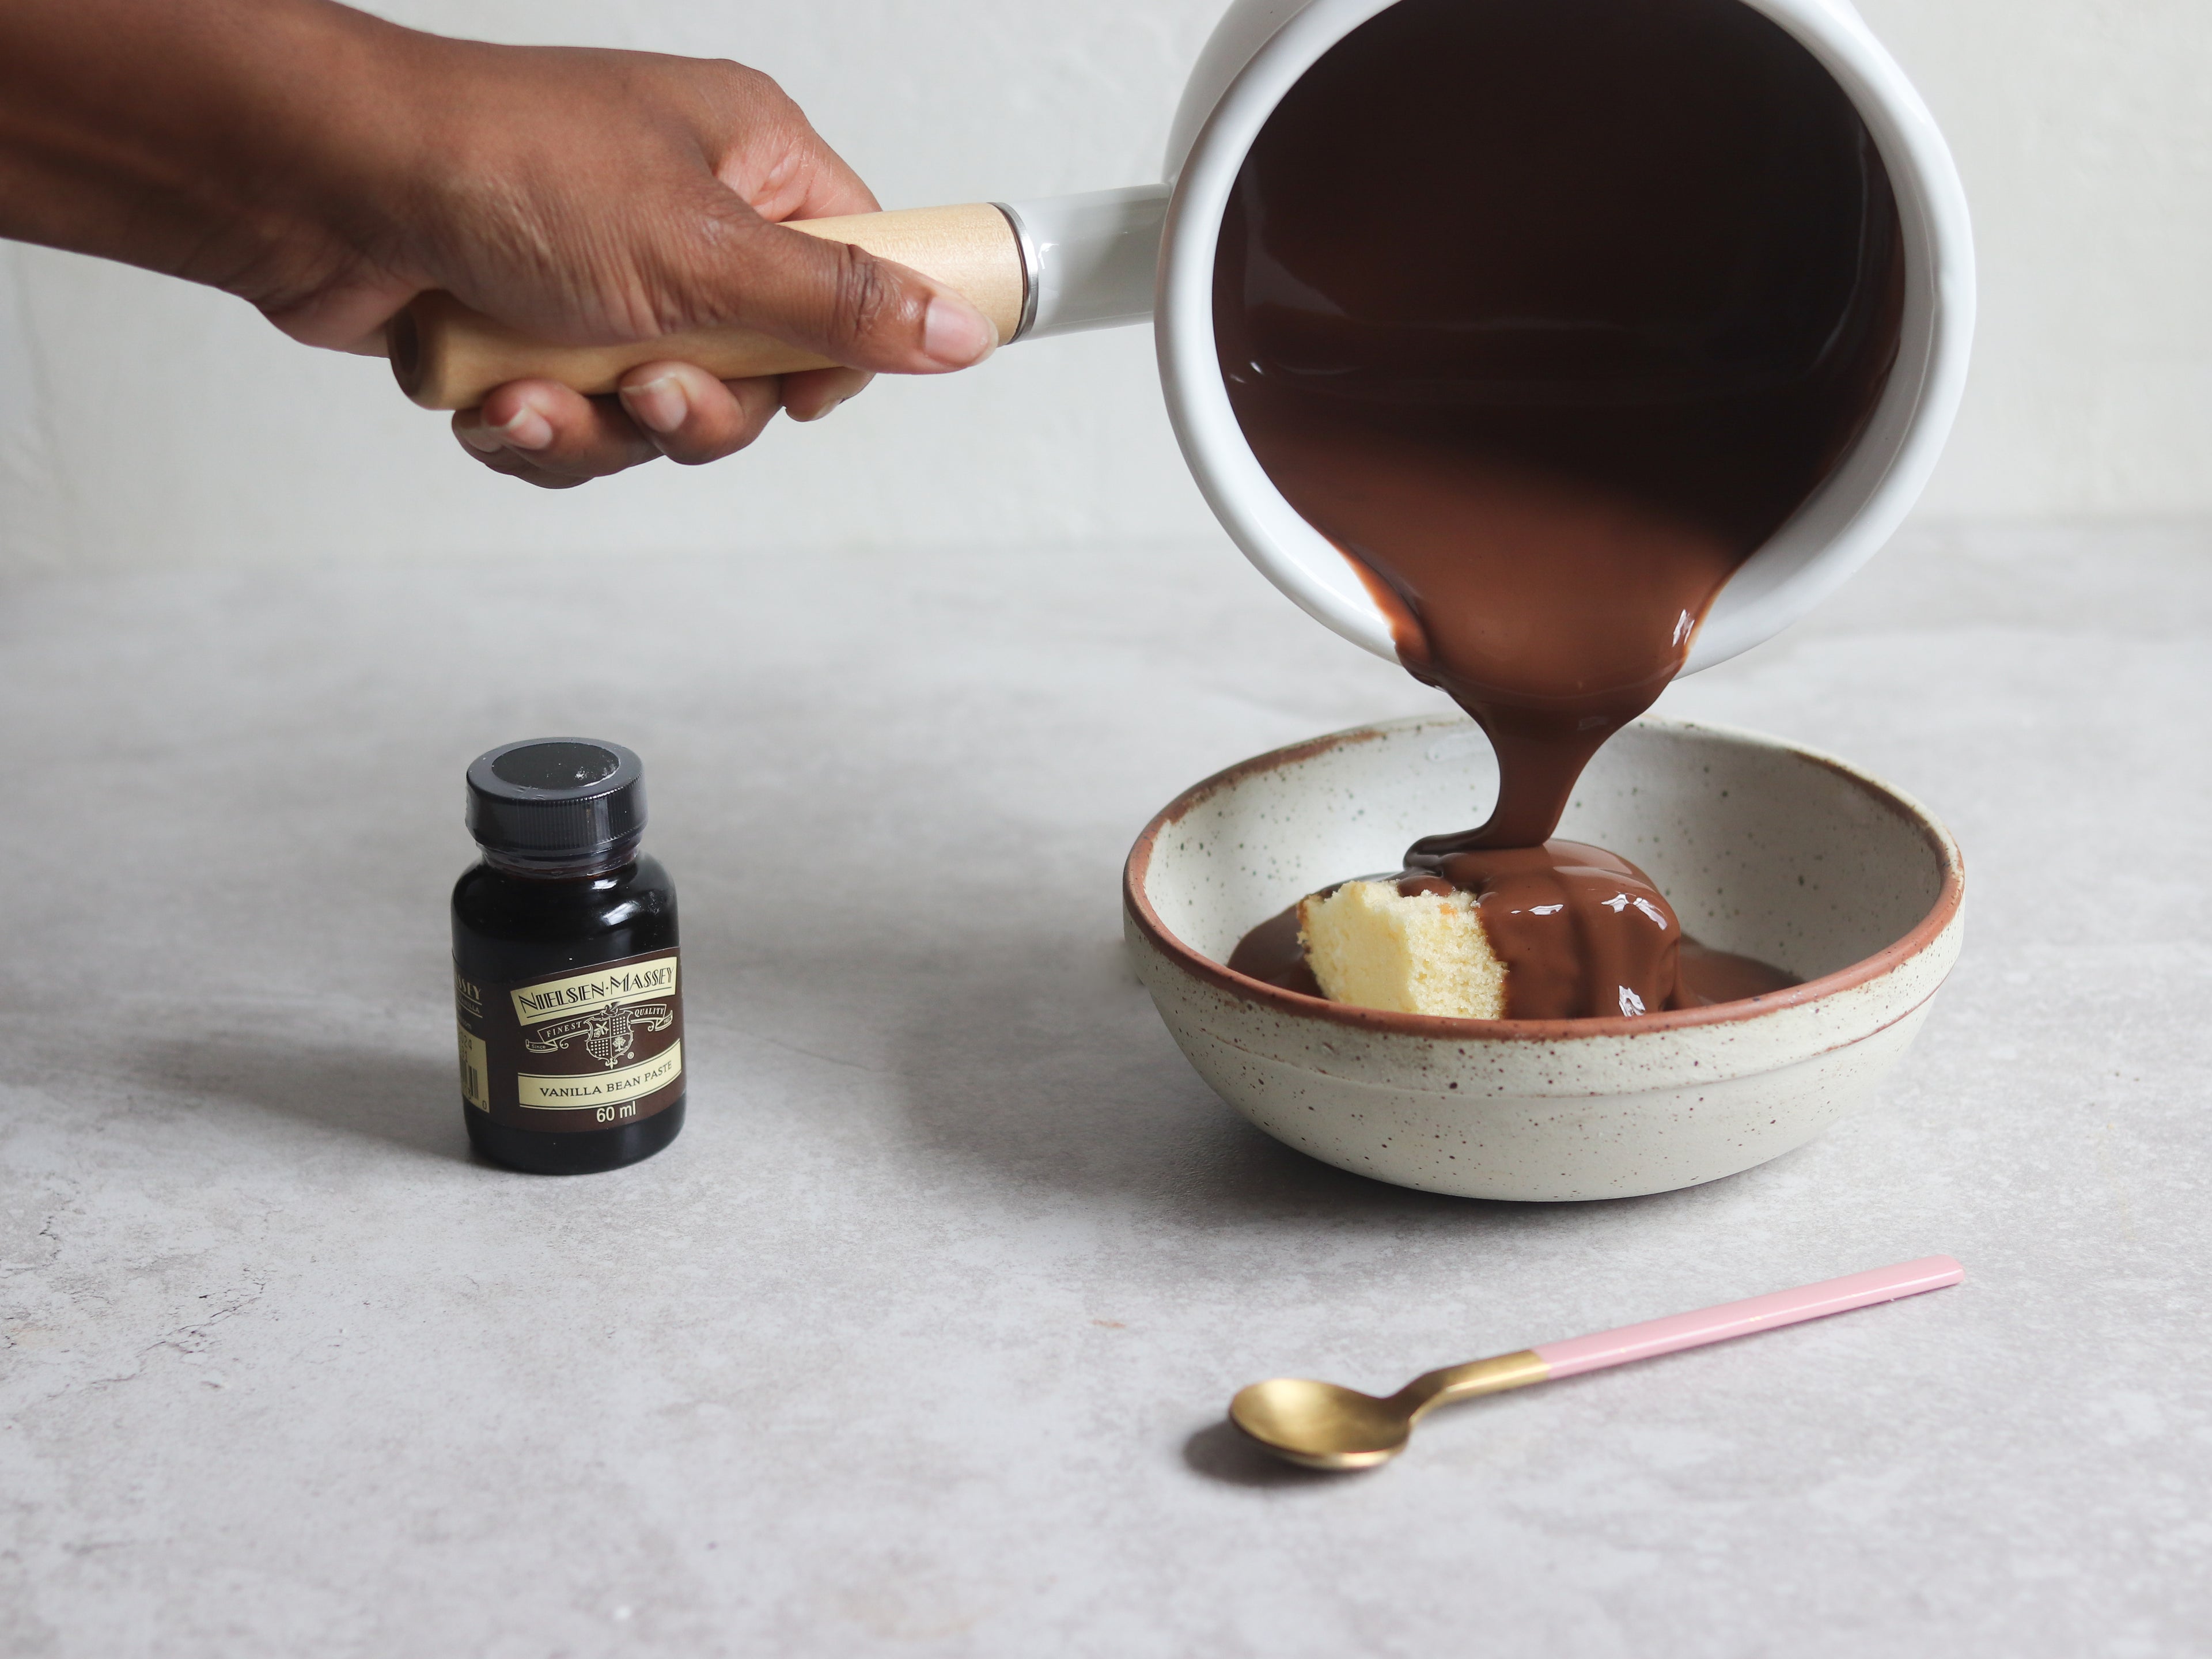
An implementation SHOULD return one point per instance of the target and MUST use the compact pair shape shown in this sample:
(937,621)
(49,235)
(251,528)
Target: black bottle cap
(555,798)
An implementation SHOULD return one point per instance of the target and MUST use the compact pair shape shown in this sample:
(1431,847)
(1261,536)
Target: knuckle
(708,455)
(530,472)
(741,87)
(507,463)
(721,446)
(865,298)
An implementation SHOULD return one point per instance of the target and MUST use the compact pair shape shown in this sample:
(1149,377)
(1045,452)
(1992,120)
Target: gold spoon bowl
(1325,1426)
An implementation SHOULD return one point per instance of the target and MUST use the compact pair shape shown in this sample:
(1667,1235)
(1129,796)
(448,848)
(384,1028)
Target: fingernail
(525,429)
(482,439)
(659,404)
(956,334)
(823,413)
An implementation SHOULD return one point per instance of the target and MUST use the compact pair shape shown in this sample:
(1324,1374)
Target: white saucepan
(1054,266)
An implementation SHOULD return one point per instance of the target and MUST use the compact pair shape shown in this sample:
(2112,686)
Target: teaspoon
(1324,1426)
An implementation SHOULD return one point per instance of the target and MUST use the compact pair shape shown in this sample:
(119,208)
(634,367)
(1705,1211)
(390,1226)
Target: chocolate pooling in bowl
(1549,316)
(1584,934)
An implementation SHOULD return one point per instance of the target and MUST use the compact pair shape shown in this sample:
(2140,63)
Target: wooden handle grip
(447,357)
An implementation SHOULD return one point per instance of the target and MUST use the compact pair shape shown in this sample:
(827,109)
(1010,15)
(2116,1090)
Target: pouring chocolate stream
(1655,293)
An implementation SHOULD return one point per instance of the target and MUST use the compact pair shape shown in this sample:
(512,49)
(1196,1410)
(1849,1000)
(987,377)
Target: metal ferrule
(1028,246)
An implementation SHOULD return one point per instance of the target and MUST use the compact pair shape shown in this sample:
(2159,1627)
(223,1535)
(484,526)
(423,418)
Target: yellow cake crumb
(1370,944)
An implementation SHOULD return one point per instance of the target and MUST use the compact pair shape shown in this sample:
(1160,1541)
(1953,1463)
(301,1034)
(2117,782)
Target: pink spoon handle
(1760,1313)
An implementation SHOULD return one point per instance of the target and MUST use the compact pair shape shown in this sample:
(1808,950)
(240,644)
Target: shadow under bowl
(1763,847)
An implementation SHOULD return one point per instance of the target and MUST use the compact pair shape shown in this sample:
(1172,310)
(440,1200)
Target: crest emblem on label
(610,1035)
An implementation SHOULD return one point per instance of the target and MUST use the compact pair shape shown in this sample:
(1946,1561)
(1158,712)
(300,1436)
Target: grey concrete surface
(917,1342)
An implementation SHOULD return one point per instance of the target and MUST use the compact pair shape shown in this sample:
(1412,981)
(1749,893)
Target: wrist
(248,144)
(316,140)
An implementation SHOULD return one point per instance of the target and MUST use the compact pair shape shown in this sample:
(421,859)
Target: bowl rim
(1941,915)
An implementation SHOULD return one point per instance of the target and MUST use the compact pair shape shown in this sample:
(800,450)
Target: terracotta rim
(1924,932)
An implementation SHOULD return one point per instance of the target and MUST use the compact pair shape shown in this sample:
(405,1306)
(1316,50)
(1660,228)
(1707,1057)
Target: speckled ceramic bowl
(1763,848)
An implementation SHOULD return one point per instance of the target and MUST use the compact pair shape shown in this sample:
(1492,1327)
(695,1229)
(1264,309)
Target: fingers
(545,433)
(547,436)
(693,418)
(811,395)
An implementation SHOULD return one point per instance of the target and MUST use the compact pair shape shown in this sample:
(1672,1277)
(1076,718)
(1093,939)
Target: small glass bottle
(565,971)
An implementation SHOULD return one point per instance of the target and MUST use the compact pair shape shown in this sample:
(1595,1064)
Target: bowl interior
(1762,849)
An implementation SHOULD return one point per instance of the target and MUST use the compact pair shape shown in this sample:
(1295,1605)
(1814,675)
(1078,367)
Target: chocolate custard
(1548,316)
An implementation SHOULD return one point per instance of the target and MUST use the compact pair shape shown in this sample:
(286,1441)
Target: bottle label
(586,1051)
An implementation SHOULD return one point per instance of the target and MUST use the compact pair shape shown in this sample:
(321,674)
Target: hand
(329,166)
(655,183)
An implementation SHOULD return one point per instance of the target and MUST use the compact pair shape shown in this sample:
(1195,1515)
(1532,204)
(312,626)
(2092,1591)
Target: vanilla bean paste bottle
(565,973)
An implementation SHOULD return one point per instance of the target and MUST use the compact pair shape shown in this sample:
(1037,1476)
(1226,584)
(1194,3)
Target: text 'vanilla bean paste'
(1548,316)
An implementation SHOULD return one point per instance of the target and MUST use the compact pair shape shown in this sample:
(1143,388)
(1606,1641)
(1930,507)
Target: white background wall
(145,422)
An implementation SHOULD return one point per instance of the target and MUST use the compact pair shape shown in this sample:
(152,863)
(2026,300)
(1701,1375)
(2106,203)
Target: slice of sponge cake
(1426,953)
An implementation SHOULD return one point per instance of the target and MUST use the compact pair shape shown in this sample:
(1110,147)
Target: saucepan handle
(1046,267)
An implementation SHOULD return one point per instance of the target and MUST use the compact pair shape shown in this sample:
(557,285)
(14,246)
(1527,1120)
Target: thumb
(848,305)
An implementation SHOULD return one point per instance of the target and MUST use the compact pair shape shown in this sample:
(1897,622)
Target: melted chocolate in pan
(1549,316)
